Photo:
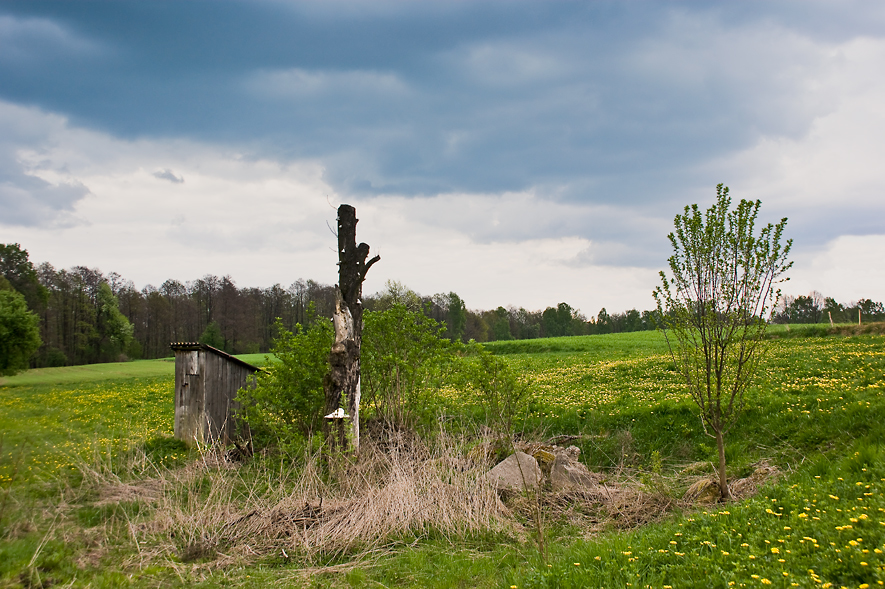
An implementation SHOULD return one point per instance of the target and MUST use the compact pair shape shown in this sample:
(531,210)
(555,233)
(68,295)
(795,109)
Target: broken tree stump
(343,379)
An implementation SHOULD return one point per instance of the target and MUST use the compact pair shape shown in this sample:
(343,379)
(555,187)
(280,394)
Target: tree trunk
(344,376)
(723,480)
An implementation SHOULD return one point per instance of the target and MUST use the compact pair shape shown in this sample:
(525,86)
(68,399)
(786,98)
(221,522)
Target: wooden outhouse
(206,385)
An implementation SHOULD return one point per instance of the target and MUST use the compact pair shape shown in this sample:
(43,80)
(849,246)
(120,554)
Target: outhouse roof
(197,346)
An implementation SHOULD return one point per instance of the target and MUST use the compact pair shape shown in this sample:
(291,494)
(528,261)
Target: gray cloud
(31,201)
(32,42)
(169,175)
(34,191)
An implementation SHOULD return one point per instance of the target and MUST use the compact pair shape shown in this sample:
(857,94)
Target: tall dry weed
(311,509)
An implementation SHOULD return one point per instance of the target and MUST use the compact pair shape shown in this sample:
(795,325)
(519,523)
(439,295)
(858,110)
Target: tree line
(86,316)
(816,308)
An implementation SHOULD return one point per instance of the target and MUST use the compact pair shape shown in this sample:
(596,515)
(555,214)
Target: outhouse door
(189,418)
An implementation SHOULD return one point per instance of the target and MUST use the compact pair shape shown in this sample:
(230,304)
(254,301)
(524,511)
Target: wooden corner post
(344,377)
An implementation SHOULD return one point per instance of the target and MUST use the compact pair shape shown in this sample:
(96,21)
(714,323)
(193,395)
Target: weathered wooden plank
(206,384)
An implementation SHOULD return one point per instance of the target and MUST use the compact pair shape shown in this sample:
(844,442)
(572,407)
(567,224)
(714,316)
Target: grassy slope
(620,393)
(613,346)
(818,409)
(91,373)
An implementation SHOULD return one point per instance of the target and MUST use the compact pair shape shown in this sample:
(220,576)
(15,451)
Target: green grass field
(816,412)
(52,417)
(91,373)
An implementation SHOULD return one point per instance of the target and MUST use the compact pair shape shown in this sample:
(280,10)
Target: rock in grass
(567,473)
(517,472)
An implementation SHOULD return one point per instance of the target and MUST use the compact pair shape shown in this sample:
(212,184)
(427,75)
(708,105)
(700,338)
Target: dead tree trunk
(344,376)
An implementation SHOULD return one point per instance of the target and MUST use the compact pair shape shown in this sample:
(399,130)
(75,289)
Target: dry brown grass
(220,512)
(214,513)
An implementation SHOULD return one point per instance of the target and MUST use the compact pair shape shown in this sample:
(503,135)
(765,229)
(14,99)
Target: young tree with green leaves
(714,305)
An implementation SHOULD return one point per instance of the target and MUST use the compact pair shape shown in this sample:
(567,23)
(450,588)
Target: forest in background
(87,316)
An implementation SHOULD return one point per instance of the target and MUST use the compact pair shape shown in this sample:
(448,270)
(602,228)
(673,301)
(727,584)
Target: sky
(517,153)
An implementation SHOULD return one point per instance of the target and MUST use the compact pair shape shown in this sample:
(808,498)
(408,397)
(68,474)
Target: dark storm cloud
(585,102)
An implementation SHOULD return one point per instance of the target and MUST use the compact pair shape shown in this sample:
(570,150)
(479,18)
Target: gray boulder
(517,472)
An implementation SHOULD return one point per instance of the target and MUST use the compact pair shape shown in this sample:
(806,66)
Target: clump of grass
(825,329)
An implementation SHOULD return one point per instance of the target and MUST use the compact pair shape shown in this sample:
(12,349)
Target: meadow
(815,415)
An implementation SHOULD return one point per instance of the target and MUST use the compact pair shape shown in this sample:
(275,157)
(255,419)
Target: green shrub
(405,358)
(285,405)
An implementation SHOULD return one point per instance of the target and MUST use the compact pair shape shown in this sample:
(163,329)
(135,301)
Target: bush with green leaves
(405,361)
(212,336)
(405,358)
(285,405)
